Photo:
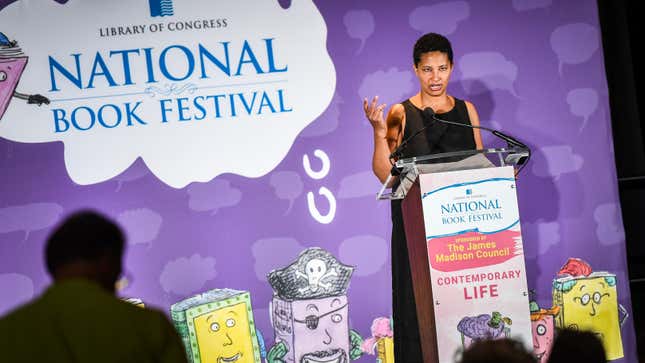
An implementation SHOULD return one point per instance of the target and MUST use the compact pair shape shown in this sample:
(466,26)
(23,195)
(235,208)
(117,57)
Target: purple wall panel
(532,68)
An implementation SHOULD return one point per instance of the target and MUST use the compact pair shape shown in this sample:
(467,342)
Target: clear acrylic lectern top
(410,168)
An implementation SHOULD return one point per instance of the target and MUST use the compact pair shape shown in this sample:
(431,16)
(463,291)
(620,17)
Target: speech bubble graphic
(540,237)
(212,196)
(179,91)
(17,289)
(609,224)
(359,25)
(142,225)
(136,171)
(326,123)
(271,253)
(559,159)
(583,102)
(525,5)
(574,43)
(187,275)
(29,217)
(489,70)
(445,17)
(358,185)
(391,86)
(367,253)
(286,185)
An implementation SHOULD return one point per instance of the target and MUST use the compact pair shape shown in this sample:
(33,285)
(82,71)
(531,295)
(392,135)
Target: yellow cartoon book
(218,326)
(588,301)
(385,350)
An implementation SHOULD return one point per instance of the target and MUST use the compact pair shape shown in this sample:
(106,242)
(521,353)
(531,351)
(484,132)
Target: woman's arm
(387,134)
(474,120)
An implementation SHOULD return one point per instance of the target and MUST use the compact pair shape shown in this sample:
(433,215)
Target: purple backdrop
(532,68)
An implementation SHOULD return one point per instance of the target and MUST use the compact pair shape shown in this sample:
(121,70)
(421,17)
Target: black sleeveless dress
(438,138)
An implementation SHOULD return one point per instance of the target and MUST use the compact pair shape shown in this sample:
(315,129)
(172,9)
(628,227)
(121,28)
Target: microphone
(428,113)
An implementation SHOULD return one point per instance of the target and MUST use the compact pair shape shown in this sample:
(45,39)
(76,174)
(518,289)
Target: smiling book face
(224,335)
(218,327)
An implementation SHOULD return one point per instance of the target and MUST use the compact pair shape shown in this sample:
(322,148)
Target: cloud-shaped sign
(29,217)
(560,159)
(583,102)
(187,275)
(490,69)
(272,253)
(358,185)
(391,85)
(367,253)
(286,185)
(574,43)
(212,196)
(359,25)
(142,225)
(609,224)
(179,91)
(442,18)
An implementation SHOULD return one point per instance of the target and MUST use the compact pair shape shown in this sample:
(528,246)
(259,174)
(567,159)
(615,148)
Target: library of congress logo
(161,8)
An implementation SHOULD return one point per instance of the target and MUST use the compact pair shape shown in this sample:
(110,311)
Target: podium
(454,250)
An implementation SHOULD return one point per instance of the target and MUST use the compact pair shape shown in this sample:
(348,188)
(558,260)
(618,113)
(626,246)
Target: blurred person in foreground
(78,318)
(577,346)
(497,351)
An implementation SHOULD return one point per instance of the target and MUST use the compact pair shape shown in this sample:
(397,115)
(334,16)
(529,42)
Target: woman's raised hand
(374,113)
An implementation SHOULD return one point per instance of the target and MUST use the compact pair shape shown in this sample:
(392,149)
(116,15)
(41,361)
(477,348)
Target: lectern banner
(475,257)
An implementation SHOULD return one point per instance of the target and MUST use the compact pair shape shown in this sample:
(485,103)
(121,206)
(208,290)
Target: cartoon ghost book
(218,327)
(309,311)
(543,328)
(484,326)
(588,301)
(12,63)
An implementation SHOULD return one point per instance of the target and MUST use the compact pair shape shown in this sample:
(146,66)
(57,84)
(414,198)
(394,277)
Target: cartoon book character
(588,301)
(484,326)
(12,63)
(381,339)
(543,328)
(218,326)
(309,311)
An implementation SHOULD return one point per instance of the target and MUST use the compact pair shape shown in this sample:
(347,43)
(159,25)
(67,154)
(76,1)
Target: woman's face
(433,71)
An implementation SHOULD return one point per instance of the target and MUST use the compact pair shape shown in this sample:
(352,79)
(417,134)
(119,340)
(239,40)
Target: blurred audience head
(86,245)
(577,346)
(497,351)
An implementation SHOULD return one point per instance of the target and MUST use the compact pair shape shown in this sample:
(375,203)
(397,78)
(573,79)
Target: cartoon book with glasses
(12,63)
(588,300)
(309,311)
